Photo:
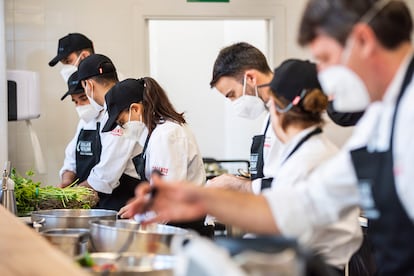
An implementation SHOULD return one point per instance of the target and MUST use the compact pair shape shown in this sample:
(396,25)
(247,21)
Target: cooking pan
(110,236)
(70,218)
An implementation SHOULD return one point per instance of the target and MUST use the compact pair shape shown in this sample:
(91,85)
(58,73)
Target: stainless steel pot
(70,218)
(73,242)
(110,236)
(134,264)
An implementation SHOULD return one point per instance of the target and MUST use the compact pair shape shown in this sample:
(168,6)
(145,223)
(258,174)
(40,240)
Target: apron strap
(407,78)
(302,141)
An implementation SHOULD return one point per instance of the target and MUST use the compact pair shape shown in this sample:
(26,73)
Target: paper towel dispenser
(23,92)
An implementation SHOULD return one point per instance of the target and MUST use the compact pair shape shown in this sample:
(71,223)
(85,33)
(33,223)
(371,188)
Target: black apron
(256,155)
(120,195)
(140,159)
(88,152)
(390,229)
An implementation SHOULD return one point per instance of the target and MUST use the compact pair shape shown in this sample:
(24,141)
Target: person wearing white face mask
(72,48)
(114,176)
(238,71)
(379,156)
(83,151)
(142,108)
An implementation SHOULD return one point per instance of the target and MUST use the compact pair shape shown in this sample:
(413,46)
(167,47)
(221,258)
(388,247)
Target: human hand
(138,204)
(176,201)
(230,181)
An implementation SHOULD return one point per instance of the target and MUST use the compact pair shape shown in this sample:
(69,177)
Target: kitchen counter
(25,252)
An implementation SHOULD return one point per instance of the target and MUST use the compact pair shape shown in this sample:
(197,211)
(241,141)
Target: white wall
(3,92)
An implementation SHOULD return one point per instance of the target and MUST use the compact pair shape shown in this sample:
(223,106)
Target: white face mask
(87,112)
(133,129)
(68,69)
(97,106)
(249,107)
(348,90)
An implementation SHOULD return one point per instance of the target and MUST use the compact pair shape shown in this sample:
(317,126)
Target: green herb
(30,196)
(86,260)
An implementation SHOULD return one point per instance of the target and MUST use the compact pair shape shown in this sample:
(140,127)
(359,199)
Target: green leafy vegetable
(30,196)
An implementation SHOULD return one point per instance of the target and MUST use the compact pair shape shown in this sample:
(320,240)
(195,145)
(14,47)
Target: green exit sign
(213,1)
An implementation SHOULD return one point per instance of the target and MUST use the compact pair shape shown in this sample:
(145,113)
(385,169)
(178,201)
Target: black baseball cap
(95,65)
(292,77)
(71,43)
(74,86)
(120,97)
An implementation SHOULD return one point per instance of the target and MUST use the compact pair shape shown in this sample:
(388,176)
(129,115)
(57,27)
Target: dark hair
(89,50)
(157,106)
(233,60)
(392,24)
(307,113)
(106,79)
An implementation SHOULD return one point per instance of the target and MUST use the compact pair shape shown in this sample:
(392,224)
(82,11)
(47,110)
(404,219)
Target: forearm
(247,211)
(68,177)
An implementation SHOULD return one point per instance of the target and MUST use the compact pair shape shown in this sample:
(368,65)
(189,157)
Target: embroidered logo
(84,148)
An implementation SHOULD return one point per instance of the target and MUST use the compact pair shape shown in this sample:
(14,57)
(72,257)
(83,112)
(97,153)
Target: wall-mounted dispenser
(23,95)
(23,91)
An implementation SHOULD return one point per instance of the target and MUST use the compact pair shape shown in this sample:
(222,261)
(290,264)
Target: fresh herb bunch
(30,196)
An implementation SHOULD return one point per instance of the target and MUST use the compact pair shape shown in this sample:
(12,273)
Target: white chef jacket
(270,152)
(116,159)
(331,189)
(337,241)
(69,163)
(173,150)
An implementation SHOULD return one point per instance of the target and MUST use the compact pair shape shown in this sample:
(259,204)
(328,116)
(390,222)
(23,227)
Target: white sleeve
(322,198)
(116,159)
(69,163)
(257,186)
(168,153)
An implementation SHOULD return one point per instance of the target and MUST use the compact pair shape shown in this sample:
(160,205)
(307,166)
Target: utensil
(71,218)
(8,199)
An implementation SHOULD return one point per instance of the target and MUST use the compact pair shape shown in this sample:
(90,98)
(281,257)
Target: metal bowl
(70,218)
(71,241)
(134,264)
(110,236)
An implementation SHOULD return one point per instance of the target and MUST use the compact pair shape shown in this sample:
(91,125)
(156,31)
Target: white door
(182,54)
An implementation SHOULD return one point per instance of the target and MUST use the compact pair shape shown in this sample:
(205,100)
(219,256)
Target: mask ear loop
(244,84)
(77,61)
(295,102)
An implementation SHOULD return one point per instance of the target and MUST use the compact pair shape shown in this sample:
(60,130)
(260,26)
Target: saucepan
(110,236)
(70,218)
(71,241)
